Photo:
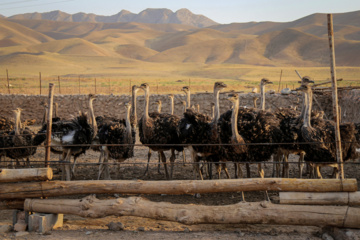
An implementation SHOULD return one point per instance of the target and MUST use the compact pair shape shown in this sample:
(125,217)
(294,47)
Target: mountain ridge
(149,15)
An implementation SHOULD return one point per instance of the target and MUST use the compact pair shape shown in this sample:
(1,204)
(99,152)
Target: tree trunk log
(176,187)
(12,204)
(330,198)
(241,213)
(25,175)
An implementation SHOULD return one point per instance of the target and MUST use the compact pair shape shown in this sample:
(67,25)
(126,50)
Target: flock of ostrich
(241,135)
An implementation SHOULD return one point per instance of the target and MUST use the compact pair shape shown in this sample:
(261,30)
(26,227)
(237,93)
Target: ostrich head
(92,97)
(185,89)
(233,97)
(304,88)
(306,80)
(171,96)
(135,89)
(219,86)
(145,87)
(183,103)
(265,81)
(127,106)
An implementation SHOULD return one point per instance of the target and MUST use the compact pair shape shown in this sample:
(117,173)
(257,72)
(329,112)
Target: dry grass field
(163,77)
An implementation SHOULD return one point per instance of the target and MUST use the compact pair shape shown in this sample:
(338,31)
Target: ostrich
(322,131)
(118,132)
(77,131)
(196,128)
(255,127)
(21,137)
(263,82)
(133,115)
(155,128)
(289,125)
(230,135)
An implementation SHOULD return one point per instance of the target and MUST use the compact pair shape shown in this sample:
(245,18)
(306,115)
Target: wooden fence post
(49,124)
(334,94)
(7,78)
(280,80)
(59,84)
(40,81)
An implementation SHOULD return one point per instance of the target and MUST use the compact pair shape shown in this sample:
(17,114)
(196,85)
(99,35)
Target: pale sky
(221,11)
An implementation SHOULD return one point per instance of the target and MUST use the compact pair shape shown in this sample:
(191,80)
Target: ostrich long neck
(133,105)
(212,111)
(128,123)
(93,120)
(303,107)
(17,119)
(308,109)
(159,108)
(147,98)
(188,99)
(172,105)
(254,100)
(262,98)
(234,117)
(217,107)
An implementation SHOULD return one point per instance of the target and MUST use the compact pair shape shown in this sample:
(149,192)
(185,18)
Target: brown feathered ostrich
(320,134)
(116,132)
(196,128)
(21,137)
(66,133)
(155,128)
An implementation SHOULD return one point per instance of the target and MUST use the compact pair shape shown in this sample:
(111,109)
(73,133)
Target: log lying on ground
(241,213)
(25,175)
(177,187)
(12,204)
(330,198)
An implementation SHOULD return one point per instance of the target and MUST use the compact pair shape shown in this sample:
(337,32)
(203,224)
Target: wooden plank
(176,187)
(330,198)
(25,175)
(12,204)
(240,213)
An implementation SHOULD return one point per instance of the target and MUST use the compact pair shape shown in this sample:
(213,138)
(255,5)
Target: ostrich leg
(147,166)
(301,164)
(172,160)
(73,168)
(159,164)
(163,159)
(184,159)
(285,172)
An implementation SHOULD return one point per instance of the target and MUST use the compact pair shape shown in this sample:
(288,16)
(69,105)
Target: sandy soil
(135,227)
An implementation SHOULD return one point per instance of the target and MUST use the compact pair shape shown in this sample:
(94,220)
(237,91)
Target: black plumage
(320,136)
(116,132)
(159,128)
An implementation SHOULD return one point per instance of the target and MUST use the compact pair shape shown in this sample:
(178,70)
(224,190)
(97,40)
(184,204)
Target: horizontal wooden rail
(176,187)
(240,213)
(25,175)
(329,198)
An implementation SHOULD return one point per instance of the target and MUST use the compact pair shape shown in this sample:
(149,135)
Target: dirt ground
(135,227)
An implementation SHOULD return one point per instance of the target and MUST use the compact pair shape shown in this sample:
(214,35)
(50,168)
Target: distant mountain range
(179,37)
(162,15)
